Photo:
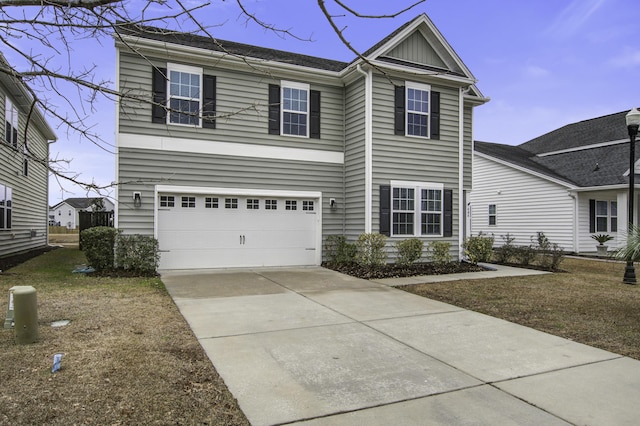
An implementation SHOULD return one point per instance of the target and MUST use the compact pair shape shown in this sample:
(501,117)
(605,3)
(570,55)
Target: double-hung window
(185,94)
(417,107)
(6,207)
(11,123)
(295,109)
(416,209)
(606,216)
(493,214)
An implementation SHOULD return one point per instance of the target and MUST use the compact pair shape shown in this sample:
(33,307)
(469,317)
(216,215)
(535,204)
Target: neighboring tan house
(67,213)
(253,156)
(24,181)
(570,184)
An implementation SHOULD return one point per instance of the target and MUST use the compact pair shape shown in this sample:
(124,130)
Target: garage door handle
(242,238)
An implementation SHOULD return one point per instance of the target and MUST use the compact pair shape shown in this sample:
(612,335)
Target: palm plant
(631,250)
(602,238)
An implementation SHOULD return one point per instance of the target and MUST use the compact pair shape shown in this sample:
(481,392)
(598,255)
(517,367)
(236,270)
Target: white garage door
(212,231)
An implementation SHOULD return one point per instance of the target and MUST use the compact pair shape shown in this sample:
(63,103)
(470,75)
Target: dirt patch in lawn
(129,357)
(589,304)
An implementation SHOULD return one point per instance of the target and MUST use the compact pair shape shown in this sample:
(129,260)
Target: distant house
(24,182)
(66,213)
(570,184)
(260,154)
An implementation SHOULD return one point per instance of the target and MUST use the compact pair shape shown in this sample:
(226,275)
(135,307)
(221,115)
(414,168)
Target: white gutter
(368,146)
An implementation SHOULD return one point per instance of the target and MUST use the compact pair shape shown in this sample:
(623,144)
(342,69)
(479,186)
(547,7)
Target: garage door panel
(200,237)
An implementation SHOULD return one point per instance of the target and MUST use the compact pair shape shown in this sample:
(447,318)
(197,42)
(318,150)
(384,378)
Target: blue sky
(544,63)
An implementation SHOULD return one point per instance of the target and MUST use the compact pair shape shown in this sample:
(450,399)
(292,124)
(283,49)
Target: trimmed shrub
(440,252)
(338,250)
(138,253)
(507,252)
(525,254)
(370,250)
(478,249)
(409,251)
(98,247)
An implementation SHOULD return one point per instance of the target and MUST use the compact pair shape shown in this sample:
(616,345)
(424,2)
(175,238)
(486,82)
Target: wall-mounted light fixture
(137,199)
(332,203)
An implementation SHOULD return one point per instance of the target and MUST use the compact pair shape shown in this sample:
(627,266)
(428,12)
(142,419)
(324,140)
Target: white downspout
(575,229)
(461,200)
(368,147)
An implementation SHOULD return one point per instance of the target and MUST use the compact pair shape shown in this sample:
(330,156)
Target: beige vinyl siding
(354,163)
(525,204)
(29,197)
(241,103)
(147,168)
(412,158)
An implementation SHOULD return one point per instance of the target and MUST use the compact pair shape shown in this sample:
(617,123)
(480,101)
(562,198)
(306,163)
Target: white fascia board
(583,148)
(603,188)
(159,143)
(206,56)
(525,170)
(409,70)
(244,192)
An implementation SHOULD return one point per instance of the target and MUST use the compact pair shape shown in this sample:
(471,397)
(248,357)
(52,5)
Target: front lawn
(129,357)
(589,304)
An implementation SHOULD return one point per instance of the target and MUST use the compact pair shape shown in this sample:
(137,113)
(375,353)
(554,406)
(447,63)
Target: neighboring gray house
(24,183)
(252,156)
(570,184)
(67,213)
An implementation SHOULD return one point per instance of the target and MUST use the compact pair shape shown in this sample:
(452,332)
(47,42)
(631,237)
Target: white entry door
(211,231)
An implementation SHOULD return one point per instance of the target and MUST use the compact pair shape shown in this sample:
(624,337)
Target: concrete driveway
(311,346)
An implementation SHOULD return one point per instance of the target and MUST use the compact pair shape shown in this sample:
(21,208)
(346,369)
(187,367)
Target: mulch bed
(397,271)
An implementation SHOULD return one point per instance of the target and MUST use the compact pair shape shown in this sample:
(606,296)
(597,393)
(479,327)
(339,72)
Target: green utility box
(25,314)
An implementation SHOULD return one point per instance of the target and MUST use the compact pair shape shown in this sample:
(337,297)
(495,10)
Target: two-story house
(67,212)
(236,155)
(24,177)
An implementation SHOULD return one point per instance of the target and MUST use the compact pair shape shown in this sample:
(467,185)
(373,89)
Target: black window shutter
(314,114)
(435,115)
(209,101)
(399,110)
(159,86)
(274,109)
(447,229)
(592,215)
(385,210)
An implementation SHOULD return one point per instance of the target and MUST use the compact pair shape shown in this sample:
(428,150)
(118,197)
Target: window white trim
(190,70)
(409,85)
(494,215)
(11,117)
(284,84)
(418,187)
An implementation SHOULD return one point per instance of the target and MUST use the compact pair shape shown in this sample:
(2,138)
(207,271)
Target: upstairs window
(185,96)
(418,110)
(295,109)
(11,123)
(188,95)
(25,160)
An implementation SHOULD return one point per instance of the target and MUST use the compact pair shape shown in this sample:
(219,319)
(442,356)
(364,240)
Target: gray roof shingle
(588,167)
(231,47)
